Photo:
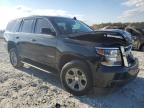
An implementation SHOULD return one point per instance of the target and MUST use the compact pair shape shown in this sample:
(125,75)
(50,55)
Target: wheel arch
(11,45)
(65,58)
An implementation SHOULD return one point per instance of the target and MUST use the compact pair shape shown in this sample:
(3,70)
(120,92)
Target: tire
(15,58)
(142,48)
(76,78)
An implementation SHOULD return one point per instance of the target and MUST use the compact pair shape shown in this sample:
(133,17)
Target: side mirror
(47,31)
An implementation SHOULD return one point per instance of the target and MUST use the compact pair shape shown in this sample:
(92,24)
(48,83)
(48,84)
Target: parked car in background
(138,37)
(84,58)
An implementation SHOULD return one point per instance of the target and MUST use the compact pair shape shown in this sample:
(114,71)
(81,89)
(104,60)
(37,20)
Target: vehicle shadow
(131,95)
(44,75)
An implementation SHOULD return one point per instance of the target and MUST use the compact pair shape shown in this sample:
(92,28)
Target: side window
(27,26)
(42,24)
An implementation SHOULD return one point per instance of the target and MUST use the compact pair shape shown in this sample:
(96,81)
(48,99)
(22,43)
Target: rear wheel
(76,78)
(15,59)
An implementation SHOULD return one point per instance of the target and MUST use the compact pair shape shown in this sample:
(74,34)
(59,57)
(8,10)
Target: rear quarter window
(10,26)
(13,26)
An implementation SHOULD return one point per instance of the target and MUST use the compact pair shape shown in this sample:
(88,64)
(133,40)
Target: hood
(102,39)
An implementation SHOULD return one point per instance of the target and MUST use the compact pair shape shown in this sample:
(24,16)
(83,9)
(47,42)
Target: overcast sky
(90,11)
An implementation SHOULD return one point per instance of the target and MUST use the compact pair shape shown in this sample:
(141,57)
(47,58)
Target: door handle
(33,40)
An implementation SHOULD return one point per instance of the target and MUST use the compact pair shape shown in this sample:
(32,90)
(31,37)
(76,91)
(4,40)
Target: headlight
(112,56)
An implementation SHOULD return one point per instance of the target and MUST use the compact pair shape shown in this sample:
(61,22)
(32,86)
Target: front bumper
(105,76)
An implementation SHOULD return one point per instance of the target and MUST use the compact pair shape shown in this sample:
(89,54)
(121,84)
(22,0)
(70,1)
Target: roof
(35,16)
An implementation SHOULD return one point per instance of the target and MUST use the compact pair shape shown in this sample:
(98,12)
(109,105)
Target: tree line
(119,25)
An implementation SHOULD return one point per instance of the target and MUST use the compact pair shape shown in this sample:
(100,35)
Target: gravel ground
(34,88)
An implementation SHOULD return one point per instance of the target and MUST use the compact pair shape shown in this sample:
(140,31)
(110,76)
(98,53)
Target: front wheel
(76,77)
(15,59)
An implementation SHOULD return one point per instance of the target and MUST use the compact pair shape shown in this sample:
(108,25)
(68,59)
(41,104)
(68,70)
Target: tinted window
(41,23)
(27,26)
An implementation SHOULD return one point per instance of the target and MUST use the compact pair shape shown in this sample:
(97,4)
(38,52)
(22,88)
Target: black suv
(138,37)
(84,58)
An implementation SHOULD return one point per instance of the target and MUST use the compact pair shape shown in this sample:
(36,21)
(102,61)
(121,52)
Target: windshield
(69,26)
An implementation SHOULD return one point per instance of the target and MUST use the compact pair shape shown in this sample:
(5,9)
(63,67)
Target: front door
(44,43)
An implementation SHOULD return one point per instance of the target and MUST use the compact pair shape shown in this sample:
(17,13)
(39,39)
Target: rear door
(44,42)
(25,39)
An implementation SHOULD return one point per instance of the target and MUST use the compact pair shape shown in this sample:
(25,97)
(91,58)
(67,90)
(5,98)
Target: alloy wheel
(76,79)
